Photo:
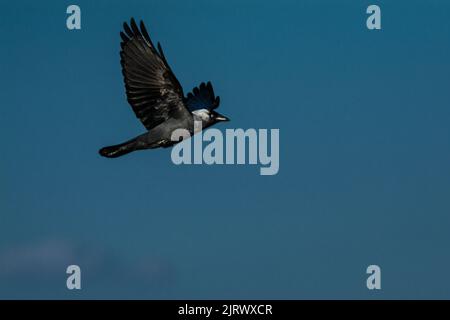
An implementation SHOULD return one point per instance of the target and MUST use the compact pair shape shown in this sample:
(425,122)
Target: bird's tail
(119,149)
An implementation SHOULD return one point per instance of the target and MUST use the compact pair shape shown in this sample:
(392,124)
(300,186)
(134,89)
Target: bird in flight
(157,97)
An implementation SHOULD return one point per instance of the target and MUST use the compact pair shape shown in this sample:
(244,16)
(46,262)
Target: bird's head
(209,117)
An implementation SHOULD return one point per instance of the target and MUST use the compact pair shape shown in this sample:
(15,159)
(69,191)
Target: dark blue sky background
(364,153)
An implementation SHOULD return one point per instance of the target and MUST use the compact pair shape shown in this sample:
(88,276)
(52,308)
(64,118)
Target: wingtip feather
(134,27)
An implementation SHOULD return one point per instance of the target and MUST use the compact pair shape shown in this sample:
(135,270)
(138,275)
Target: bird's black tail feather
(119,149)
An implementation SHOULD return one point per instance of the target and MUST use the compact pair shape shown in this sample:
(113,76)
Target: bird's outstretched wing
(152,89)
(202,97)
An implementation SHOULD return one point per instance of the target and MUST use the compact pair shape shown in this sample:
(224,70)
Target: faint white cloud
(26,268)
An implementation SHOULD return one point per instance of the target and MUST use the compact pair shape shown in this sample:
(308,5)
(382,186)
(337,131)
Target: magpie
(156,96)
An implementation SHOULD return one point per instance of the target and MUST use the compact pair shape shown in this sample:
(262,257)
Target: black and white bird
(156,95)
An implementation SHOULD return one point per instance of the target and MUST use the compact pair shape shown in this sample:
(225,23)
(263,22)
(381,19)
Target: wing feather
(202,97)
(153,91)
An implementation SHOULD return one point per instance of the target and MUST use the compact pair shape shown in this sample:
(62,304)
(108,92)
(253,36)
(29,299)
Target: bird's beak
(222,118)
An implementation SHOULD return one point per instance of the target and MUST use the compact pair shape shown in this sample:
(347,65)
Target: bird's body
(157,97)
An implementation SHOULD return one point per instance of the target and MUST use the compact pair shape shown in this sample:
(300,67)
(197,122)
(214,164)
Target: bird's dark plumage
(152,89)
(155,94)
(202,98)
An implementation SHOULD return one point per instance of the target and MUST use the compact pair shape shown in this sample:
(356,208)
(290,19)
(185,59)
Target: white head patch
(202,114)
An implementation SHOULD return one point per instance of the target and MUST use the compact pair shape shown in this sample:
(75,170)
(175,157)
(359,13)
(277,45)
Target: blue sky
(364,153)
